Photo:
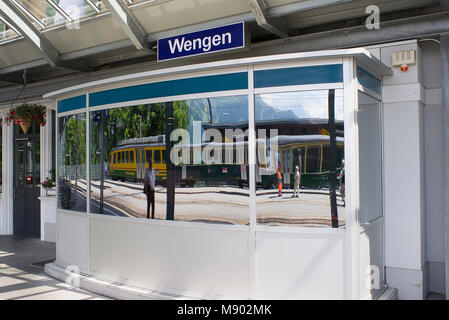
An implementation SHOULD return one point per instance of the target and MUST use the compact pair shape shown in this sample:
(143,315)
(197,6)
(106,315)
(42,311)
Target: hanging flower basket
(25,114)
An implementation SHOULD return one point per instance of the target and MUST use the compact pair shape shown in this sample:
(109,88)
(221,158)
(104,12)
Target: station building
(300,149)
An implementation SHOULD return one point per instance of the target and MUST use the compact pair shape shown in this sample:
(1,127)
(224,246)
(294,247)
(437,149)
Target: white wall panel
(72,246)
(299,266)
(173,257)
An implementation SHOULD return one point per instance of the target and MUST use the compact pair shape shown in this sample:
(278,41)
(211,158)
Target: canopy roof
(56,38)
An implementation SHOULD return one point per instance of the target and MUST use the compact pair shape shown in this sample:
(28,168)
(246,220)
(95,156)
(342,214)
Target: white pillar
(404,177)
(445,62)
(6,209)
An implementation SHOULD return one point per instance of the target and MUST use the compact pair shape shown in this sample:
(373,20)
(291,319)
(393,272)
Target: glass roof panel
(6,32)
(38,10)
(76,9)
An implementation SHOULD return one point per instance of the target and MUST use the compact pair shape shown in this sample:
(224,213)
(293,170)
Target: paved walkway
(20,278)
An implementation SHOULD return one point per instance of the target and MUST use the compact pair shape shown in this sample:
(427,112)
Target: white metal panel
(17,53)
(178,257)
(371,259)
(402,185)
(299,266)
(72,239)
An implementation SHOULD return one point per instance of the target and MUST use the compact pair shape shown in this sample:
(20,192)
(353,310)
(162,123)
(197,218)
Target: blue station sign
(202,42)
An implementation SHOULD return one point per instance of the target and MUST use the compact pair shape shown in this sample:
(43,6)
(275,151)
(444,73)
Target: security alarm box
(401,58)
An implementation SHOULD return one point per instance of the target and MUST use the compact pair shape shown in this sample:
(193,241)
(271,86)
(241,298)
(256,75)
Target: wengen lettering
(205,43)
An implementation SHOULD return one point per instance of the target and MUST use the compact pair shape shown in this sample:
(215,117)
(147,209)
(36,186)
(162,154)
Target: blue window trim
(332,73)
(368,80)
(214,83)
(70,104)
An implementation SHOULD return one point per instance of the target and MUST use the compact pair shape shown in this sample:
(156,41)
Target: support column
(6,213)
(404,177)
(444,47)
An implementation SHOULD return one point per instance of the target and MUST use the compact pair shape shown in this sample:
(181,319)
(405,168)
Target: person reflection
(342,181)
(148,188)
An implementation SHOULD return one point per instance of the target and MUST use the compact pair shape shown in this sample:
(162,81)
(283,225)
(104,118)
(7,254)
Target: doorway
(27,209)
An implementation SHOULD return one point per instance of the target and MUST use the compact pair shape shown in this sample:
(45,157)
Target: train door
(140,164)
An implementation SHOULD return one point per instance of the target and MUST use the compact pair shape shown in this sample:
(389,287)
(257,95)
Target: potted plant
(48,184)
(24,114)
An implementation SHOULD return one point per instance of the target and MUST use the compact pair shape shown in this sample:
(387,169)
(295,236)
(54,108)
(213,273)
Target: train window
(326,159)
(157,156)
(131,156)
(298,159)
(147,155)
(119,157)
(313,159)
(126,156)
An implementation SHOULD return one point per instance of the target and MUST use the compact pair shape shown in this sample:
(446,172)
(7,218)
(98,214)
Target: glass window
(370,148)
(157,156)
(313,159)
(6,32)
(131,156)
(199,180)
(292,187)
(39,10)
(72,162)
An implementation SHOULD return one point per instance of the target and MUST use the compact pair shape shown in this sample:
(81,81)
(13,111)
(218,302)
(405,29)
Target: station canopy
(43,40)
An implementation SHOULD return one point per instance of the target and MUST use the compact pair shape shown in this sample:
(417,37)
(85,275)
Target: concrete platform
(22,274)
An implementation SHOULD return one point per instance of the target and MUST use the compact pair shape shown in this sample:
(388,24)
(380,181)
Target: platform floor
(22,272)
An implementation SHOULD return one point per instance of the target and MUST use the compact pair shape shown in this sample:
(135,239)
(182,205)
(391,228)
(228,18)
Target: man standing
(148,188)
(297,182)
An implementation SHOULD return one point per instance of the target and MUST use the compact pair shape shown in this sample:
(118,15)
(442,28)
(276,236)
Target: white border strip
(312,55)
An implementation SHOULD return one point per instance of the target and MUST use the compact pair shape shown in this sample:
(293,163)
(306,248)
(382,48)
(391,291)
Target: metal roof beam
(129,23)
(17,19)
(259,10)
(12,78)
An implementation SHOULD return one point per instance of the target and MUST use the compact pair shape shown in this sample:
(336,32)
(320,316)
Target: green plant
(48,183)
(27,112)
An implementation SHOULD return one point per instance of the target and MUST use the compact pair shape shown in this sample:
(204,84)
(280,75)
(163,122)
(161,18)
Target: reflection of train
(128,160)
(309,152)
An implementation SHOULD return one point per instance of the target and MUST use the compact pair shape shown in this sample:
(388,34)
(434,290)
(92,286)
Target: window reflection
(301,184)
(72,162)
(202,177)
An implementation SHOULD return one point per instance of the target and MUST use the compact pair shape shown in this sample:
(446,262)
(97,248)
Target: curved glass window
(203,174)
(299,179)
(72,162)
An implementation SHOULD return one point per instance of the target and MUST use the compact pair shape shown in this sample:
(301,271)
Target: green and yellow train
(309,152)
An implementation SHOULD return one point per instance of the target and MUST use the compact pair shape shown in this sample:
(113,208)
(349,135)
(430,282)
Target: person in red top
(279,181)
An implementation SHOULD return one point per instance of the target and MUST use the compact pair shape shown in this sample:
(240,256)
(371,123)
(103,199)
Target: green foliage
(27,112)
(74,137)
